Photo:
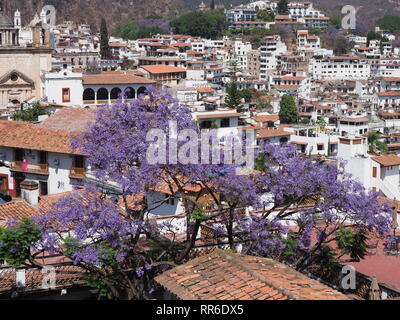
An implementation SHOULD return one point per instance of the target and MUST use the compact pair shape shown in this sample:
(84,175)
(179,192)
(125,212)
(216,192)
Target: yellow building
(21,67)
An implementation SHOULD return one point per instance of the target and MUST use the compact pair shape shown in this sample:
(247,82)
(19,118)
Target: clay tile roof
(220,275)
(160,68)
(114,78)
(362,119)
(205,90)
(290,78)
(287,86)
(16,210)
(70,119)
(117,44)
(218,115)
(267,117)
(66,276)
(389,94)
(389,79)
(270,133)
(16,134)
(387,160)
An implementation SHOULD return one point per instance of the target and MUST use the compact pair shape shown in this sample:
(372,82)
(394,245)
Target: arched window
(129,93)
(115,93)
(88,95)
(141,90)
(102,94)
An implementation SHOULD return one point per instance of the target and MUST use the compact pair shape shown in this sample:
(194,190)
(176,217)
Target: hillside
(120,11)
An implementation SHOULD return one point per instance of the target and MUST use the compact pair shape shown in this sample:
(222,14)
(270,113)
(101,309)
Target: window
(170,201)
(43,188)
(374,172)
(225,123)
(18,154)
(14,77)
(66,97)
(43,157)
(79,162)
(320,147)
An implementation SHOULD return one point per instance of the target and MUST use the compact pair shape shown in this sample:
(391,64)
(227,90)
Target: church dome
(5,21)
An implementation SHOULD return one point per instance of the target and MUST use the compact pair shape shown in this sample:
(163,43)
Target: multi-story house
(270,47)
(68,88)
(305,41)
(241,13)
(42,157)
(341,68)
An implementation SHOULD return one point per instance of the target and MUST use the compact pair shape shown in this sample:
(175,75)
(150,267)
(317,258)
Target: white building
(40,155)
(375,173)
(68,88)
(63,87)
(340,68)
(354,126)
(305,41)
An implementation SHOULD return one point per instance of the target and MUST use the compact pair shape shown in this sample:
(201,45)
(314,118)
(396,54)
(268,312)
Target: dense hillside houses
(280,72)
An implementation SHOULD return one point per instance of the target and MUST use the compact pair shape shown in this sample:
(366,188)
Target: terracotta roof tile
(387,160)
(16,134)
(114,78)
(70,119)
(266,118)
(66,276)
(16,210)
(225,276)
(389,94)
(270,133)
(160,68)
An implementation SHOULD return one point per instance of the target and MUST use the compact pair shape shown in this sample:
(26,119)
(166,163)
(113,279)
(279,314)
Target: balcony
(42,169)
(77,173)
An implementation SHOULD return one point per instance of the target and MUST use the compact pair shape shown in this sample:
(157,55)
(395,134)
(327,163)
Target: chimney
(30,192)
(20,278)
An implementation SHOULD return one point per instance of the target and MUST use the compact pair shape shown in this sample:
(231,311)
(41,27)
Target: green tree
(391,23)
(342,46)
(372,35)
(133,31)
(30,114)
(104,46)
(375,145)
(335,22)
(263,105)
(321,122)
(265,15)
(288,111)
(233,98)
(210,24)
(246,94)
(282,7)
(16,242)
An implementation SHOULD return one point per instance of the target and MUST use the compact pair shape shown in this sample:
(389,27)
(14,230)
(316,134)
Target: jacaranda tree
(290,208)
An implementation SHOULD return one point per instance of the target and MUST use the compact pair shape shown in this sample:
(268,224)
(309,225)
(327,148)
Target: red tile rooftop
(267,117)
(271,133)
(23,135)
(218,115)
(220,275)
(387,160)
(69,119)
(389,94)
(160,68)
(15,210)
(114,78)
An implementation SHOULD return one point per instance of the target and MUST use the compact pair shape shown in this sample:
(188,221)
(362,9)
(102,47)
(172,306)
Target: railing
(30,168)
(77,173)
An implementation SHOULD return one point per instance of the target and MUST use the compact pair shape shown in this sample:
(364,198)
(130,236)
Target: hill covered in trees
(123,11)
